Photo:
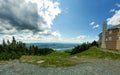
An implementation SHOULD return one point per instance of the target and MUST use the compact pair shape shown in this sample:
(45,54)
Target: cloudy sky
(64,21)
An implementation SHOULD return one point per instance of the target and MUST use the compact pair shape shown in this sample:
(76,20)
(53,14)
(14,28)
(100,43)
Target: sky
(61,21)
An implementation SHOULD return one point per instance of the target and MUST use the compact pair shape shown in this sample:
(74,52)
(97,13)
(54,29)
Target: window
(118,37)
(119,30)
(110,38)
(110,32)
(106,39)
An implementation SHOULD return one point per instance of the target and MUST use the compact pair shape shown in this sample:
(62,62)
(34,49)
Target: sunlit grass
(58,58)
(95,52)
(54,59)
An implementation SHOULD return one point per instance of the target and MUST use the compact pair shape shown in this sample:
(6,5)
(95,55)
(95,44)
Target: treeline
(14,50)
(83,47)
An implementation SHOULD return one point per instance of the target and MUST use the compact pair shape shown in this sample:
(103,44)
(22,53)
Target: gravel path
(93,67)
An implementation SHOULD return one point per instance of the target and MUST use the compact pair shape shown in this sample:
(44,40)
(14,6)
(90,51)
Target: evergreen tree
(13,40)
(8,42)
(94,43)
(15,50)
(4,44)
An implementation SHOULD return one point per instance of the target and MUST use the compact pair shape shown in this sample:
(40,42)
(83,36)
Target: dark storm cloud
(20,15)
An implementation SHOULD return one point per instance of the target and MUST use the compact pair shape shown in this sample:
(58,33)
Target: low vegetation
(83,47)
(52,60)
(15,50)
(56,59)
(49,57)
(95,52)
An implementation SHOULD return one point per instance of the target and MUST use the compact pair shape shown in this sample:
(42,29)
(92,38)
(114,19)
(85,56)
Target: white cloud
(30,38)
(37,37)
(48,10)
(95,26)
(115,19)
(31,22)
(112,10)
(81,37)
(33,15)
(56,34)
(92,23)
(118,5)
(77,39)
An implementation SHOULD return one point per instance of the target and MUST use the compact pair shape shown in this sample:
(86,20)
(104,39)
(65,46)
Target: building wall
(113,43)
(118,40)
(118,45)
(110,40)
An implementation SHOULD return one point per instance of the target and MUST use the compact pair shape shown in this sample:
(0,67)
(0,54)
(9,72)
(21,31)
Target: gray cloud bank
(16,15)
(23,16)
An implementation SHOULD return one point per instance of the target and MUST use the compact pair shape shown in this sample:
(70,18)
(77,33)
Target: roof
(115,27)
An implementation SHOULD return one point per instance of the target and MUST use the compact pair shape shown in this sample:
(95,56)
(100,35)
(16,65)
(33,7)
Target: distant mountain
(55,46)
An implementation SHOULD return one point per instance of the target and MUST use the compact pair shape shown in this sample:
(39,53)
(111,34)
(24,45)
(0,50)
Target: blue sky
(77,15)
(56,20)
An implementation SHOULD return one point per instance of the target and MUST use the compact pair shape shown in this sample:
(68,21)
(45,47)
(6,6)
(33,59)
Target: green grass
(95,52)
(54,59)
(57,59)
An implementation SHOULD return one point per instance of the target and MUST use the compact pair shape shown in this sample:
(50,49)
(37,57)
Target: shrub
(83,47)
(15,50)
(45,51)
(80,48)
(94,43)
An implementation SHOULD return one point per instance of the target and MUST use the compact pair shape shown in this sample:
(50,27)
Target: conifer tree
(13,40)
(4,44)
(8,42)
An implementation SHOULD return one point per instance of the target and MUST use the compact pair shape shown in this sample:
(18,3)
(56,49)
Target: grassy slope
(65,59)
(95,52)
(53,59)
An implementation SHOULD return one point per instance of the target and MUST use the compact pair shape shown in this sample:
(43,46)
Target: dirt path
(91,67)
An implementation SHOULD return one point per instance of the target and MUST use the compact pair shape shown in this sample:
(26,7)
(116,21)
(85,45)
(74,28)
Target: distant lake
(55,46)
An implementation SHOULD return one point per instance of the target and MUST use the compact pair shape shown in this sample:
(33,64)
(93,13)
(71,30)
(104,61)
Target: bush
(15,50)
(83,47)
(94,43)
(7,56)
(45,51)
(67,51)
(34,50)
(80,48)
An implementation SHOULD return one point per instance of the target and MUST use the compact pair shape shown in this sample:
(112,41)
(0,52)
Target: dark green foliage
(80,48)
(67,51)
(4,44)
(34,50)
(45,51)
(83,47)
(15,50)
(94,43)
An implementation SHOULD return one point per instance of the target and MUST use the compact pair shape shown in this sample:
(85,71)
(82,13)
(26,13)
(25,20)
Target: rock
(74,57)
(41,61)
